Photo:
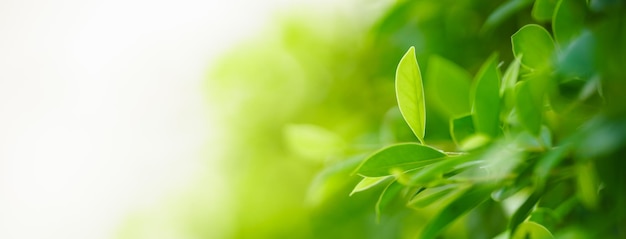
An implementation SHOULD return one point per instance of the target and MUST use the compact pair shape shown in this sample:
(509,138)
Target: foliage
(543,139)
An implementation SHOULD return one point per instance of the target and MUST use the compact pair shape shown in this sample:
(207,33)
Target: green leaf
(486,94)
(390,192)
(587,182)
(312,141)
(503,12)
(436,171)
(461,128)
(549,161)
(432,195)
(532,230)
(543,10)
(367,183)
(529,107)
(410,94)
(535,43)
(568,21)
(448,85)
(507,89)
(467,201)
(399,157)
(523,211)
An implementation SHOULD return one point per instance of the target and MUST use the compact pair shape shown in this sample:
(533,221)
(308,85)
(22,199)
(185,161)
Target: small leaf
(568,21)
(461,128)
(535,43)
(507,89)
(532,230)
(503,12)
(367,183)
(449,86)
(467,201)
(402,157)
(410,93)
(529,107)
(543,10)
(486,108)
(523,211)
(431,195)
(587,182)
(390,192)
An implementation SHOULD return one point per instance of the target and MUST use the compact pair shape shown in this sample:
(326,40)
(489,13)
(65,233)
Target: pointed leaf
(467,201)
(400,157)
(367,183)
(410,93)
(486,94)
(448,86)
(535,43)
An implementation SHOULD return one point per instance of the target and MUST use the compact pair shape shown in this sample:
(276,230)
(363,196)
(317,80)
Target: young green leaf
(448,86)
(461,128)
(410,94)
(529,107)
(532,230)
(467,201)
(367,183)
(535,43)
(436,171)
(543,10)
(401,157)
(507,89)
(486,94)
(390,192)
(431,195)
(568,21)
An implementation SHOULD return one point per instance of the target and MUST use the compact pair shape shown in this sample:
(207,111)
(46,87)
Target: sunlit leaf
(568,22)
(461,128)
(448,86)
(535,44)
(486,94)
(432,195)
(410,93)
(543,10)
(312,141)
(367,183)
(402,157)
(532,230)
(467,201)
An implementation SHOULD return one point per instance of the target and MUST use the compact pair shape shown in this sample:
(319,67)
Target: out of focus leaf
(535,44)
(543,10)
(367,183)
(532,230)
(529,107)
(486,94)
(503,12)
(577,57)
(390,192)
(410,93)
(432,195)
(449,86)
(473,197)
(436,171)
(523,211)
(312,141)
(507,89)
(569,19)
(461,128)
(587,182)
(401,157)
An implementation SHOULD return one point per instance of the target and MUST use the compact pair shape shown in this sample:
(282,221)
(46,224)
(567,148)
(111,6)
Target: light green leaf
(543,10)
(535,43)
(400,157)
(529,107)
(432,195)
(486,95)
(367,183)
(568,21)
(550,160)
(461,128)
(436,171)
(507,89)
(587,182)
(312,141)
(448,85)
(467,201)
(523,211)
(410,93)
(532,230)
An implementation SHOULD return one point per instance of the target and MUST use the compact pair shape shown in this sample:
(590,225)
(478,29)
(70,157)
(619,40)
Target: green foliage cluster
(539,146)
(512,124)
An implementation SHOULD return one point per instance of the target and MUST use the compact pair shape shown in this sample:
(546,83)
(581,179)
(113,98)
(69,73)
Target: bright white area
(102,108)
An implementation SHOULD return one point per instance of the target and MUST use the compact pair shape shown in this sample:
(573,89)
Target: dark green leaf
(543,10)
(449,86)
(503,12)
(400,157)
(568,22)
(410,93)
(467,201)
(461,128)
(486,95)
(535,44)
